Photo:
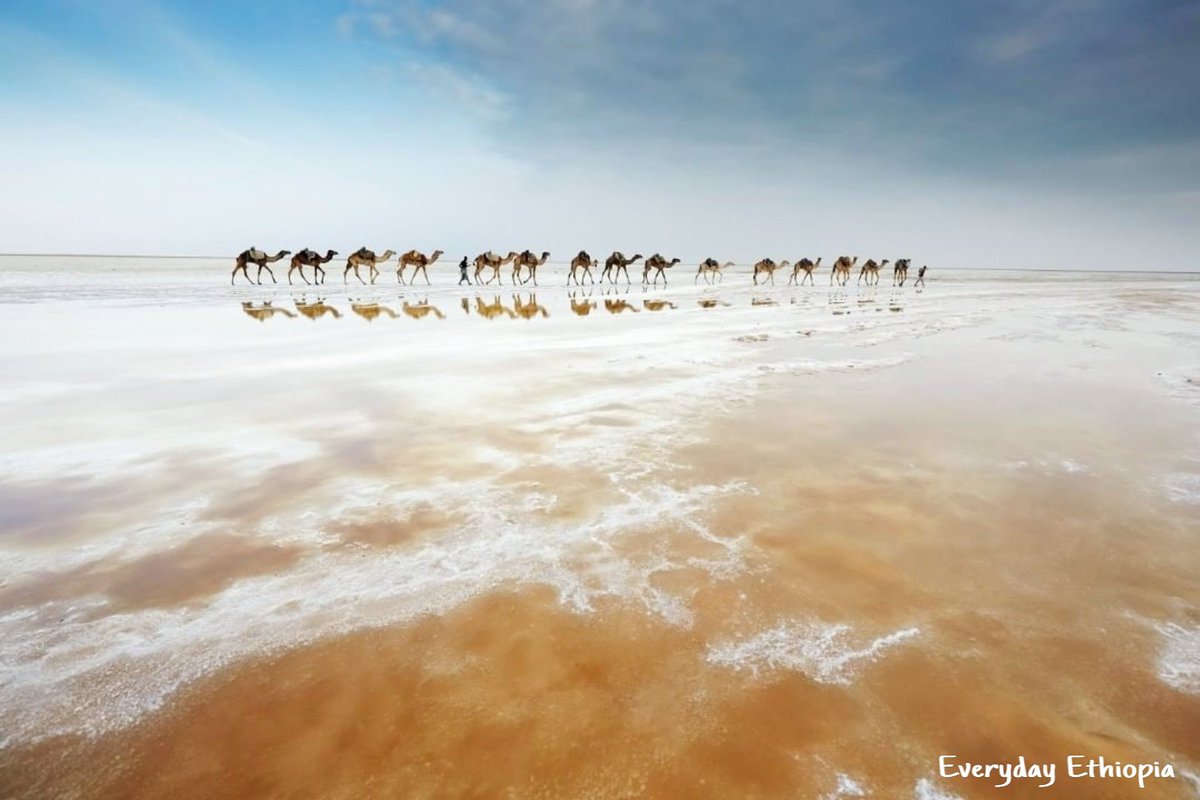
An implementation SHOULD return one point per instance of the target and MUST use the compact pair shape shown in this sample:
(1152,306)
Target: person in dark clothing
(921,276)
(462,272)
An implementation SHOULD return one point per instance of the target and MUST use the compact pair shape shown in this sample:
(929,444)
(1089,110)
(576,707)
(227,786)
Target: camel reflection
(493,309)
(582,307)
(763,301)
(617,306)
(711,302)
(531,309)
(265,311)
(657,305)
(371,311)
(317,309)
(421,310)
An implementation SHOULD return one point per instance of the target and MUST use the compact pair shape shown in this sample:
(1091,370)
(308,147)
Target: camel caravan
(525,263)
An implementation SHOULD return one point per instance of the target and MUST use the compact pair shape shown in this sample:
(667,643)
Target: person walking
(462,272)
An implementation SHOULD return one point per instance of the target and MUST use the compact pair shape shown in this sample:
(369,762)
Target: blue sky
(1054,133)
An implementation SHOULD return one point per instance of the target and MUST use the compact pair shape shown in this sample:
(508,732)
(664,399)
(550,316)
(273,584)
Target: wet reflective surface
(705,540)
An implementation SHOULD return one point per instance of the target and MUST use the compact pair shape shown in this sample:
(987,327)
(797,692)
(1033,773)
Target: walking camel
(768,267)
(310,258)
(710,266)
(900,271)
(417,259)
(363,256)
(871,270)
(256,256)
(841,270)
(581,261)
(493,261)
(529,261)
(659,264)
(808,266)
(616,263)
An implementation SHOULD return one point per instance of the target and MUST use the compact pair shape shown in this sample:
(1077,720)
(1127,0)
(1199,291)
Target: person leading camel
(462,272)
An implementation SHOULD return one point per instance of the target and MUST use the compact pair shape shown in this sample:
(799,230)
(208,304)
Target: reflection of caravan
(317,309)
(265,311)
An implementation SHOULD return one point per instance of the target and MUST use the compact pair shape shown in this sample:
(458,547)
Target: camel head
(545,257)
(283,253)
(674,261)
(635,258)
(330,254)
(881,263)
(436,255)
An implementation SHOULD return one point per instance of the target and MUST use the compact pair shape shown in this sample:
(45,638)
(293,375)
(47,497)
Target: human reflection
(582,307)
(466,306)
(317,309)
(370,311)
(421,309)
(896,302)
(264,311)
(493,309)
(530,309)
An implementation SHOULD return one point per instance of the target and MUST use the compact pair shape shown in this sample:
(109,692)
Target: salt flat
(695,540)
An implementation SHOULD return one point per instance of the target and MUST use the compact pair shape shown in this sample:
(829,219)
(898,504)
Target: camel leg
(400,276)
(242,267)
(317,269)
(424,272)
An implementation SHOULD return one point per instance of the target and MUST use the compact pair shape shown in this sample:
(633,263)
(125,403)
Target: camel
(808,266)
(711,266)
(421,310)
(256,256)
(370,311)
(768,267)
(531,262)
(317,309)
(582,261)
(310,258)
(900,271)
(531,309)
(659,264)
(841,269)
(418,260)
(617,306)
(615,263)
(364,256)
(493,309)
(583,308)
(657,305)
(871,270)
(265,311)
(490,260)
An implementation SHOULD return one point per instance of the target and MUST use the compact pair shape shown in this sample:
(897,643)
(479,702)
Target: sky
(1013,133)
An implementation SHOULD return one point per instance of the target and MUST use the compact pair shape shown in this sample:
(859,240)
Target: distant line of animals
(582,263)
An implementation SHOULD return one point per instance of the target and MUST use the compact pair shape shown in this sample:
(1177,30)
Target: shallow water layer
(615,541)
